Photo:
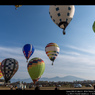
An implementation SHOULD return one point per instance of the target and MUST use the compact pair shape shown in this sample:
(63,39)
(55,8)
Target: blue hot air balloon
(28,50)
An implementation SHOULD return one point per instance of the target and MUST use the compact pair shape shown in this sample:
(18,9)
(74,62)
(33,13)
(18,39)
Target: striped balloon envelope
(1,75)
(52,51)
(35,67)
(28,50)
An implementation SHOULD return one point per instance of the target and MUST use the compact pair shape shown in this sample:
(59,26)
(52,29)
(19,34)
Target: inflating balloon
(0,71)
(52,51)
(17,6)
(28,50)
(9,67)
(35,67)
(62,15)
(93,27)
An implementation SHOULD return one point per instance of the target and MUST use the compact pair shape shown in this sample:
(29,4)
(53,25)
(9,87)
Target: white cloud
(70,62)
(15,50)
(88,49)
(70,53)
(77,61)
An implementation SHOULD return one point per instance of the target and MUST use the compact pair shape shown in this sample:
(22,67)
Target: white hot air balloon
(62,15)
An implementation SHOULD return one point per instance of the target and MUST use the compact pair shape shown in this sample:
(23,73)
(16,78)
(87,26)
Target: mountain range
(55,79)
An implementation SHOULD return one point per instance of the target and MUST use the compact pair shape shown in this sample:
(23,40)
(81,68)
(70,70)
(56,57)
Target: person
(11,87)
(56,88)
(37,88)
(94,87)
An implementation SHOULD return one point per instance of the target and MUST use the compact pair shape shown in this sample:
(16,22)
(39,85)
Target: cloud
(70,52)
(15,50)
(68,62)
(75,65)
(88,49)
(76,61)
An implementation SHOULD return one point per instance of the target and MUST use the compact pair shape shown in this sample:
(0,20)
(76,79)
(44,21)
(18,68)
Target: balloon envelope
(35,67)
(0,71)
(17,6)
(93,27)
(52,51)
(61,15)
(28,50)
(9,67)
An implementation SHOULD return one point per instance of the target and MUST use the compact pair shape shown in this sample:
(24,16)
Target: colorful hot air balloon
(28,50)
(9,67)
(93,27)
(52,50)
(62,15)
(35,67)
(0,71)
(16,6)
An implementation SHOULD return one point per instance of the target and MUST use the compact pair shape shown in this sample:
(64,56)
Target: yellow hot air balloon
(16,6)
(1,75)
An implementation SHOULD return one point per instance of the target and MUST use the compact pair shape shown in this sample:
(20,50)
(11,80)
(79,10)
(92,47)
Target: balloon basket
(27,61)
(64,32)
(15,8)
(52,64)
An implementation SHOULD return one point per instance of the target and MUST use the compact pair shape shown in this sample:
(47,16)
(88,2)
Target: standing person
(94,87)
(37,88)
(11,87)
(56,88)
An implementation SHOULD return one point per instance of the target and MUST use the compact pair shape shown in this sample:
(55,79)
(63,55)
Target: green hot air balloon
(93,27)
(35,67)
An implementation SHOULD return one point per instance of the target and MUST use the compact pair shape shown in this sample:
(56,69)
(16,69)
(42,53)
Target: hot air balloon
(16,6)
(52,51)
(36,67)
(93,27)
(62,15)
(28,50)
(0,71)
(9,67)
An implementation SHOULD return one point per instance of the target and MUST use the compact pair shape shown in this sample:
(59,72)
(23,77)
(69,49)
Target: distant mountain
(56,79)
(66,78)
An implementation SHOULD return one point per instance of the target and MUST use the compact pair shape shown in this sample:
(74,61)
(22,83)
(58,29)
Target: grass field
(62,88)
(52,88)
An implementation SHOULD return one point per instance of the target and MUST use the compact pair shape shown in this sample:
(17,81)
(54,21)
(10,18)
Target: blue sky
(32,24)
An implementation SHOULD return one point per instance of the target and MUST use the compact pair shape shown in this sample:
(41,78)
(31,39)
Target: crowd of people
(38,88)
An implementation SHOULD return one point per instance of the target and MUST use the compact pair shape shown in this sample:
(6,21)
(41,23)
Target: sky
(32,24)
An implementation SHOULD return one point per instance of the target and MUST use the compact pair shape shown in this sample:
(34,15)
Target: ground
(52,88)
